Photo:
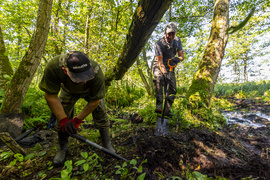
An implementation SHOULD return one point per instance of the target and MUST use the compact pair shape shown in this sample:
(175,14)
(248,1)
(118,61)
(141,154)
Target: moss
(6,69)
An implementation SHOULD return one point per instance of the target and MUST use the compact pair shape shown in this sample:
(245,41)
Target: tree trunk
(23,76)
(149,86)
(204,81)
(245,67)
(87,29)
(5,66)
(236,70)
(146,17)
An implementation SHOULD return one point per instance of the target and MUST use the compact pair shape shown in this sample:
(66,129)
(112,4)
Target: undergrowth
(244,90)
(123,98)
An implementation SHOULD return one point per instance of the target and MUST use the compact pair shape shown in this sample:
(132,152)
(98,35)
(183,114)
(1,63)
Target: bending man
(77,77)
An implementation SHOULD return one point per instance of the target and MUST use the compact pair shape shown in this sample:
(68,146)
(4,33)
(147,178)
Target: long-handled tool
(163,123)
(83,139)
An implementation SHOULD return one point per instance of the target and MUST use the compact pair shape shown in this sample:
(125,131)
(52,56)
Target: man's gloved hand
(67,126)
(77,122)
(176,60)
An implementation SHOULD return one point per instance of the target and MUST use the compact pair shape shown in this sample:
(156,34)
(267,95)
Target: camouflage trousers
(68,101)
(161,87)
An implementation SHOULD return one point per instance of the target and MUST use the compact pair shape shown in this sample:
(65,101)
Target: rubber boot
(105,138)
(60,157)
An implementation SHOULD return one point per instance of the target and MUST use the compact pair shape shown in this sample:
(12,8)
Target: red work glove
(77,122)
(67,126)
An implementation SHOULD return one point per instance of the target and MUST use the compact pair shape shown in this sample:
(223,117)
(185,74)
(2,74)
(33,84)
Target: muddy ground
(235,152)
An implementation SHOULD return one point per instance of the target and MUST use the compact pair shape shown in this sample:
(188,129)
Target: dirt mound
(214,154)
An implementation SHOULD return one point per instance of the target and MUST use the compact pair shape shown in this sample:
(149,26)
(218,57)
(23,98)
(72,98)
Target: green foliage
(129,170)
(35,108)
(2,94)
(145,107)
(5,155)
(17,158)
(29,156)
(123,94)
(90,168)
(242,90)
(220,103)
(266,96)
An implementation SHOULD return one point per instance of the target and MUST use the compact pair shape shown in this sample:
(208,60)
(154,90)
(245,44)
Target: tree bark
(5,65)
(11,143)
(146,17)
(57,38)
(23,76)
(204,80)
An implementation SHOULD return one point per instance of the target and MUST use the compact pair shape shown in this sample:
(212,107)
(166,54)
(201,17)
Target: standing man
(77,77)
(166,48)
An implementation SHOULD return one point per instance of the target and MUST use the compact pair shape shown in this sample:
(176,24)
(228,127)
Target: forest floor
(234,152)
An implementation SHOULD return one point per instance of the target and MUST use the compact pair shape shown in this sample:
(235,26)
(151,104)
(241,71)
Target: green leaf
(84,155)
(7,77)
(145,161)
(141,177)
(12,163)
(29,156)
(68,164)
(80,162)
(65,174)
(124,164)
(5,155)
(125,172)
(86,167)
(133,162)
(198,175)
(118,172)
(42,153)
(37,147)
(19,157)
(140,169)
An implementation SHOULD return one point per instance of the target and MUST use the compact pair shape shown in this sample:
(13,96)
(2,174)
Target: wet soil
(233,152)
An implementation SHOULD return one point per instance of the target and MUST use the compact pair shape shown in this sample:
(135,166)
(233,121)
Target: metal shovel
(83,139)
(162,124)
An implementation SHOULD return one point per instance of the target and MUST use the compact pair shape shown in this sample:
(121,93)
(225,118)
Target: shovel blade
(162,126)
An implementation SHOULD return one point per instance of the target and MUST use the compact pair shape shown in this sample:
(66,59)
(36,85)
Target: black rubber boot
(105,137)
(60,157)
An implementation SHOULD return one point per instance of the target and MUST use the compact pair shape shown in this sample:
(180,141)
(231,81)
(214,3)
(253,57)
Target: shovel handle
(83,139)
(171,67)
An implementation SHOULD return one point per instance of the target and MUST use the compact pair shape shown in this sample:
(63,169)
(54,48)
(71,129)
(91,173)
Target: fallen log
(11,143)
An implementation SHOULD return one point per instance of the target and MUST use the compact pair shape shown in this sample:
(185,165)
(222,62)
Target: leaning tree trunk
(204,81)
(5,66)
(146,17)
(23,76)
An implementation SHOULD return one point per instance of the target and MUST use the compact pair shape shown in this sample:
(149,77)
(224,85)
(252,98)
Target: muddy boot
(105,137)
(60,156)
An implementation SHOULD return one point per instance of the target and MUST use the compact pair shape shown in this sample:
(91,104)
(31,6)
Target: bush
(122,94)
